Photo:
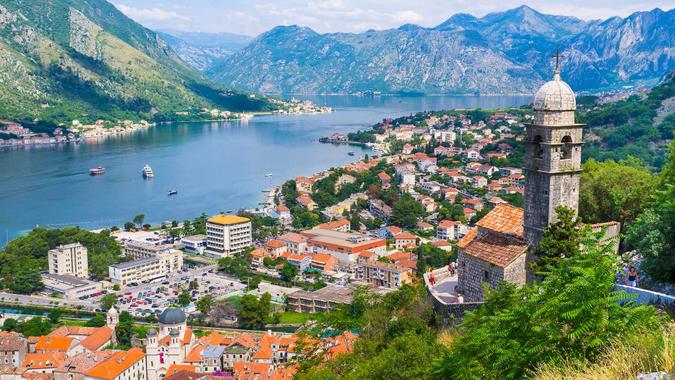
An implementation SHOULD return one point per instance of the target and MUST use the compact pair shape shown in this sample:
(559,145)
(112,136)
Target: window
(486,275)
(566,151)
(538,151)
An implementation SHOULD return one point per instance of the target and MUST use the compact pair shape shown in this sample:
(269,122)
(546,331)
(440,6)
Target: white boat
(147,171)
(173,192)
(268,175)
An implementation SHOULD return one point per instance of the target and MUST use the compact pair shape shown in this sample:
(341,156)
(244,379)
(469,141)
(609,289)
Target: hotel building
(227,234)
(69,259)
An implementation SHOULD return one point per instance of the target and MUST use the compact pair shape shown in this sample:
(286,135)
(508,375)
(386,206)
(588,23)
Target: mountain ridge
(502,52)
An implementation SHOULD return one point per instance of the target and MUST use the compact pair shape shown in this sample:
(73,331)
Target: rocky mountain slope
(202,50)
(505,52)
(67,59)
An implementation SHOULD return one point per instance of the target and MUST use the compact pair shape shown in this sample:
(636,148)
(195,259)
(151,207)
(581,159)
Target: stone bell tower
(552,157)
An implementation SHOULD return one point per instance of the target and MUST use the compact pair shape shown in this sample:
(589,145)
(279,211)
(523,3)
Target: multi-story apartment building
(146,269)
(69,259)
(227,234)
(383,274)
(319,301)
(141,249)
(343,246)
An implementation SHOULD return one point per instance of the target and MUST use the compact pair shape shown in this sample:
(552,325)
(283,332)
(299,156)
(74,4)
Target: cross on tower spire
(557,56)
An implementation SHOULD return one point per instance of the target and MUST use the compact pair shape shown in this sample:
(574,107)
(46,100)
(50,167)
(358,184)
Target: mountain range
(203,50)
(84,59)
(503,52)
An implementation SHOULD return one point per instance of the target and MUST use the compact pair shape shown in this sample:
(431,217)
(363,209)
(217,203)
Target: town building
(195,243)
(319,301)
(227,234)
(299,260)
(13,349)
(169,344)
(341,225)
(276,247)
(447,230)
(295,242)
(404,241)
(122,365)
(383,274)
(380,209)
(70,287)
(342,245)
(142,249)
(323,262)
(69,259)
(147,269)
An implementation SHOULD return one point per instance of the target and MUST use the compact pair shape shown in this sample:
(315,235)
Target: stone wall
(473,272)
(516,272)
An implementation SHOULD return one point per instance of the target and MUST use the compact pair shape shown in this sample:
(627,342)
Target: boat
(97,170)
(350,153)
(147,171)
(173,192)
(268,175)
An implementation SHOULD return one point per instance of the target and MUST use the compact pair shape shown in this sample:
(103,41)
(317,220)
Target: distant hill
(503,52)
(63,59)
(202,50)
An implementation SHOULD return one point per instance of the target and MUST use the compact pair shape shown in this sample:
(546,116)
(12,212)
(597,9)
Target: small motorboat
(351,153)
(173,192)
(268,175)
(99,170)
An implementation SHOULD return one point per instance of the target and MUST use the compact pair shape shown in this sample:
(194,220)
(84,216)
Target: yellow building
(227,234)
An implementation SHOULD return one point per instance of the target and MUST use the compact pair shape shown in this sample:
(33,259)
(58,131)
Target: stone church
(497,248)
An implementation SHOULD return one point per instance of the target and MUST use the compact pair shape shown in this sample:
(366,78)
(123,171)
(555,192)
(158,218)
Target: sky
(252,17)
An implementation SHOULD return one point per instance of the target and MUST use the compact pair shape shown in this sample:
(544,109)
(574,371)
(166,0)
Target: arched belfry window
(537,149)
(566,150)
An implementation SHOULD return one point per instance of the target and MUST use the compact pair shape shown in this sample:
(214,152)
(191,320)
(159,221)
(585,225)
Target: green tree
(124,329)
(560,240)
(35,327)
(107,301)
(355,222)
(204,304)
(129,226)
(251,313)
(97,320)
(406,211)
(184,298)
(573,314)
(10,324)
(614,191)
(55,315)
(138,219)
(288,272)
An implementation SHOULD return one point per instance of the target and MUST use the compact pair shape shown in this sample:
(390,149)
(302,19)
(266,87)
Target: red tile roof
(505,219)
(97,339)
(117,364)
(496,249)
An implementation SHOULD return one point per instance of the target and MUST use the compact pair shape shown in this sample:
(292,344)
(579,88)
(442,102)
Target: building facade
(227,234)
(383,274)
(69,259)
(147,269)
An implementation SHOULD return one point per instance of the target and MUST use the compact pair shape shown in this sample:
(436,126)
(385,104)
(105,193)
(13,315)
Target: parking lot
(152,298)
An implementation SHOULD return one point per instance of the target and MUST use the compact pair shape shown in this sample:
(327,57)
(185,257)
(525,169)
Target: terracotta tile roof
(366,254)
(283,208)
(175,368)
(284,373)
(293,237)
(53,343)
(260,253)
(496,249)
(468,238)
(116,364)
(215,339)
(186,375)
(274,243)
(100,337)
(334,224)
(505,219)
(447,224)
(83,362)
(394,230)
(246,340)
(323,258)
(251,371)
(408,263)
(396,256)
(440,243)
(405,236)
(195,356)
(187,338)
(11,341)
(46,360)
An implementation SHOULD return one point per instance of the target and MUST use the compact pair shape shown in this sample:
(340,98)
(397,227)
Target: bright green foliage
(97,320)
(431,257)
(254,312)
(55,315)
(107,301)
(653,234)
(560,240)
(572,314)
(406,211)
(288,272)
(397,339)
(233,265)
(184,298)
(33,327)
(125,330)
(614,191)
(204,304)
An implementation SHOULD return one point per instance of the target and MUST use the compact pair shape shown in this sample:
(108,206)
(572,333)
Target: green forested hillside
(83,59)
(639,126)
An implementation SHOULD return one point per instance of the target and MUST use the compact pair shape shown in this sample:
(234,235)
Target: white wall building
(146,269)
(69,259)
(227,234)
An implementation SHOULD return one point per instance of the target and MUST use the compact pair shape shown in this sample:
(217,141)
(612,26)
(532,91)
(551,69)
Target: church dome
(555,95)
(172,316)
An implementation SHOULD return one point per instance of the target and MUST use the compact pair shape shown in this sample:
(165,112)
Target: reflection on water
(215,166)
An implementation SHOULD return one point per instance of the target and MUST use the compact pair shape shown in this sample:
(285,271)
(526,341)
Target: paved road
(44,301)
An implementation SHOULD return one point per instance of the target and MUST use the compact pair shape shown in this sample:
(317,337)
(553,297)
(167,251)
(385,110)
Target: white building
(195,243)
(69,259)
(69,286)
(170,344)
(146,269)
(227,234)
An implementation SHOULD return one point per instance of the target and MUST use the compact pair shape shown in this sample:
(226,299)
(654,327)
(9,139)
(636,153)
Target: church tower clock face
(552,157)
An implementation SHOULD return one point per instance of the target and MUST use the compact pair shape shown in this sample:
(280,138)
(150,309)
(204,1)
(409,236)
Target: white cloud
(150,14)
